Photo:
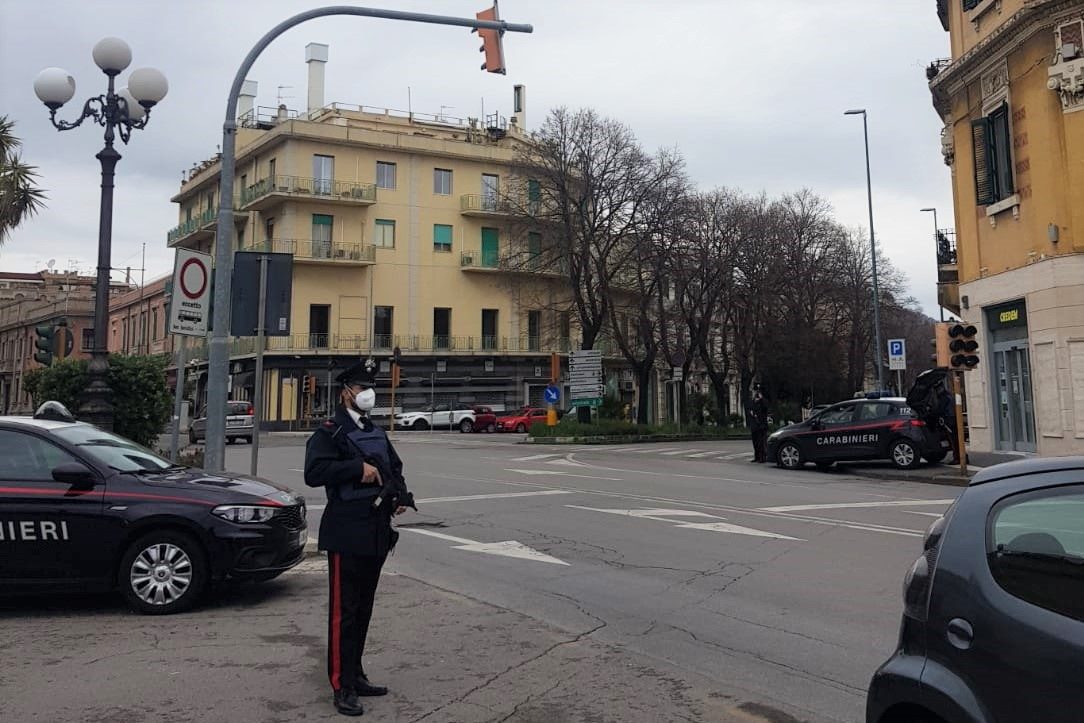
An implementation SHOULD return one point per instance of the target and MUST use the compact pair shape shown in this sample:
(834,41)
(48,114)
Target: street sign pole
(257,405)
(178,406)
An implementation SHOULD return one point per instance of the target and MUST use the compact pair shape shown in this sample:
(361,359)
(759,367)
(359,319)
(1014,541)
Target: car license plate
(302,537)
(235,422)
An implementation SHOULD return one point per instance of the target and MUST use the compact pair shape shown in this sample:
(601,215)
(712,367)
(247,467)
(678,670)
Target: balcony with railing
(201,227)
(484,205)
(948,273)
(319,252)
(267,192)
(514,262)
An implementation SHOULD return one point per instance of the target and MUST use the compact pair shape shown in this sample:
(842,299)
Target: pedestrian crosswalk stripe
(653,451)
(698,455)
(676,452)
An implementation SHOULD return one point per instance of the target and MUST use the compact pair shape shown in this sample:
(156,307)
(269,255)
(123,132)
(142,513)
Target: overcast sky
(752,93)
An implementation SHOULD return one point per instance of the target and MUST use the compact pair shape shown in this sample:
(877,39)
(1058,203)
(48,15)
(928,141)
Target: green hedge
(569,427)
(141,400)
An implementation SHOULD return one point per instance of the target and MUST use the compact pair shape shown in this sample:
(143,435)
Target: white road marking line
(856,505)
(508,548)
(297,470)
(495,496)
(676,452)
(558,472)
(534,457)
(704,454)
(924,514)
(826,521)
(564,462)
(652,451)
(661,516)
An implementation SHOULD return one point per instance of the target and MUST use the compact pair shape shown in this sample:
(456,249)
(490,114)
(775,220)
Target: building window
(534,250)
(385,234)
(269,230)
(534,197)
(442,328)
(442,237)
(154,324)
(491,189)
(319,324)
(993,156)
(382,326)
(489,328)
(322,226)
(385,174)
(271,166)
(1038,549)
(442,181)
(564,330)
(88,340)
(323,174)
(534,330)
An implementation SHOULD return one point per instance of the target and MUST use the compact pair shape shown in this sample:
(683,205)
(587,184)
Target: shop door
(1015,405)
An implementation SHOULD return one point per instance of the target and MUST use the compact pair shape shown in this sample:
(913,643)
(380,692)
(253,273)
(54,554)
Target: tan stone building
(28,300)
(401,237)
(1011,98)
(139,320)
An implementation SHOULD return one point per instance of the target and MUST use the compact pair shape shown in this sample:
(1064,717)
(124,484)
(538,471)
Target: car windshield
(119,453)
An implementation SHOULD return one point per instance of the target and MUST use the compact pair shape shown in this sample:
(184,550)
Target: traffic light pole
(218,356)
(957,399)
(257,397)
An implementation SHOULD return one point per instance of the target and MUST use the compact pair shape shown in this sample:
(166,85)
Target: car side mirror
(815,424)
(75,474)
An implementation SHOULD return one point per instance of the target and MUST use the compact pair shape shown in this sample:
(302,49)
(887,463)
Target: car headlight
(244,513)
(775,435)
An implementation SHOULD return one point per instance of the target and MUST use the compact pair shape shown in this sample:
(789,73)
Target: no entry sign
(190,307)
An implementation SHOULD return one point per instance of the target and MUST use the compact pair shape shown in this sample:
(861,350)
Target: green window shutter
(319,219)
(442,235)
(984,172)
(1000,137)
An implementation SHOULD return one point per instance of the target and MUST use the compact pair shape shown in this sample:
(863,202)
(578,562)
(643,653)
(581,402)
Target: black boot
(364,688)
(347,703)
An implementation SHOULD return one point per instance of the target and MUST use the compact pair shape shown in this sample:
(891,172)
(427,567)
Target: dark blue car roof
(1028,467)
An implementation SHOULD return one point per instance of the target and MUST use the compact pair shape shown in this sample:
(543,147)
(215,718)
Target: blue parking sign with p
(895,347)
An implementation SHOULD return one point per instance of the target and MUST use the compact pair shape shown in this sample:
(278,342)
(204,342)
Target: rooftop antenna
(409,107)
(282,97)
(442,108)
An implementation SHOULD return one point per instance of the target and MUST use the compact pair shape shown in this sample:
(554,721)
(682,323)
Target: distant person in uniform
(947,417)
(758,425)
(363,476)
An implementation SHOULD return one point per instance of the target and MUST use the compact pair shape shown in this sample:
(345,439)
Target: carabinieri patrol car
(83,509)
(859,429)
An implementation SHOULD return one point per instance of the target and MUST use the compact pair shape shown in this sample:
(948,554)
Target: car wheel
(521,427)
(466,426)
(826,465)
(904,455)
(491,428)
(420,425)
(192,438)
(163,573)
(789,456)
(935,457)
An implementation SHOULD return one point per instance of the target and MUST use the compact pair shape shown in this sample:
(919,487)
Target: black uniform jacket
(350,524)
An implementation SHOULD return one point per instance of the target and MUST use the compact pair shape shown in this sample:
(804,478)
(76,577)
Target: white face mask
(365,400)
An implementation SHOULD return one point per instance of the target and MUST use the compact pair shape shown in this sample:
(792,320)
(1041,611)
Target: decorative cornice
(1034,17)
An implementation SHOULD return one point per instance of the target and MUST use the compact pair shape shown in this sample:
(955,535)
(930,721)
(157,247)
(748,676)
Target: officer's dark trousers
(353,586)
(760,445)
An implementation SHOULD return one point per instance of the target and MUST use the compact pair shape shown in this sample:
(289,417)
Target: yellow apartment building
(1010,97)
(401,236)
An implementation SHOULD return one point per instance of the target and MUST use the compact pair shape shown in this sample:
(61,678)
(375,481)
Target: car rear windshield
(238,408)
(119,453)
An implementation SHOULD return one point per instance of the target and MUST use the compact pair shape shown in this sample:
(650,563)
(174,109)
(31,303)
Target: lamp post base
(97,407)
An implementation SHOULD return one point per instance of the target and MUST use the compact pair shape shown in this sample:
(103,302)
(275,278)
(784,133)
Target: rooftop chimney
(519,107)
(316,57)
(247,99)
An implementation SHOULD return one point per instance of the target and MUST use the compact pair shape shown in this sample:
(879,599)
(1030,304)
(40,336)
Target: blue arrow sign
(553,394)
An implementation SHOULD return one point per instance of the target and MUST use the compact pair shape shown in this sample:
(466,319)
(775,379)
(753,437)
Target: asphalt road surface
(781,588)
(537,584)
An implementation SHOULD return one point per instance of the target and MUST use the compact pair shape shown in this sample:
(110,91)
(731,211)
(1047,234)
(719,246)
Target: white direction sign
(897,354)
(665,515)
(585,375)
(508,548)
(190,305)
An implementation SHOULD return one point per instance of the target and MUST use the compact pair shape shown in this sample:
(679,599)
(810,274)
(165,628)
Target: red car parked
(522,420)
(485,420)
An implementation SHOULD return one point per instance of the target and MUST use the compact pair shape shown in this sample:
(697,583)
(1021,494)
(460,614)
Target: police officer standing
(758,414)
(363,476)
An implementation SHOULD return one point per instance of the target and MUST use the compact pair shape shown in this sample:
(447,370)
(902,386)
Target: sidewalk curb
(632,439)
(949,480)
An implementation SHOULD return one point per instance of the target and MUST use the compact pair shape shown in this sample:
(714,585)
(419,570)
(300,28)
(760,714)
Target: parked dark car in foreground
(993,618)
(859,429)
(83,510)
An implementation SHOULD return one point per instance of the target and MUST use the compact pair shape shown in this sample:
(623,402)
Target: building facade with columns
(1011,97)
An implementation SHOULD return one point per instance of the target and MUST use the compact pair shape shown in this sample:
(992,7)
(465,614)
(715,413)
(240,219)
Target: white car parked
(442,416)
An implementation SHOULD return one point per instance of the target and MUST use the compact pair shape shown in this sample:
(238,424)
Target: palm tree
(20,198)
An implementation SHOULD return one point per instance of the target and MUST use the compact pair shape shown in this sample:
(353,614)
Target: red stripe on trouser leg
(335,623)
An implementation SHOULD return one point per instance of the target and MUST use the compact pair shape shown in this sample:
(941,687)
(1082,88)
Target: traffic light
(963,346)
(492,42)
(44,343)
(941,356)
(308,383)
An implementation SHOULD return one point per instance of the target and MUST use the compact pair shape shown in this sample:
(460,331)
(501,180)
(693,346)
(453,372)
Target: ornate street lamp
(119,111)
